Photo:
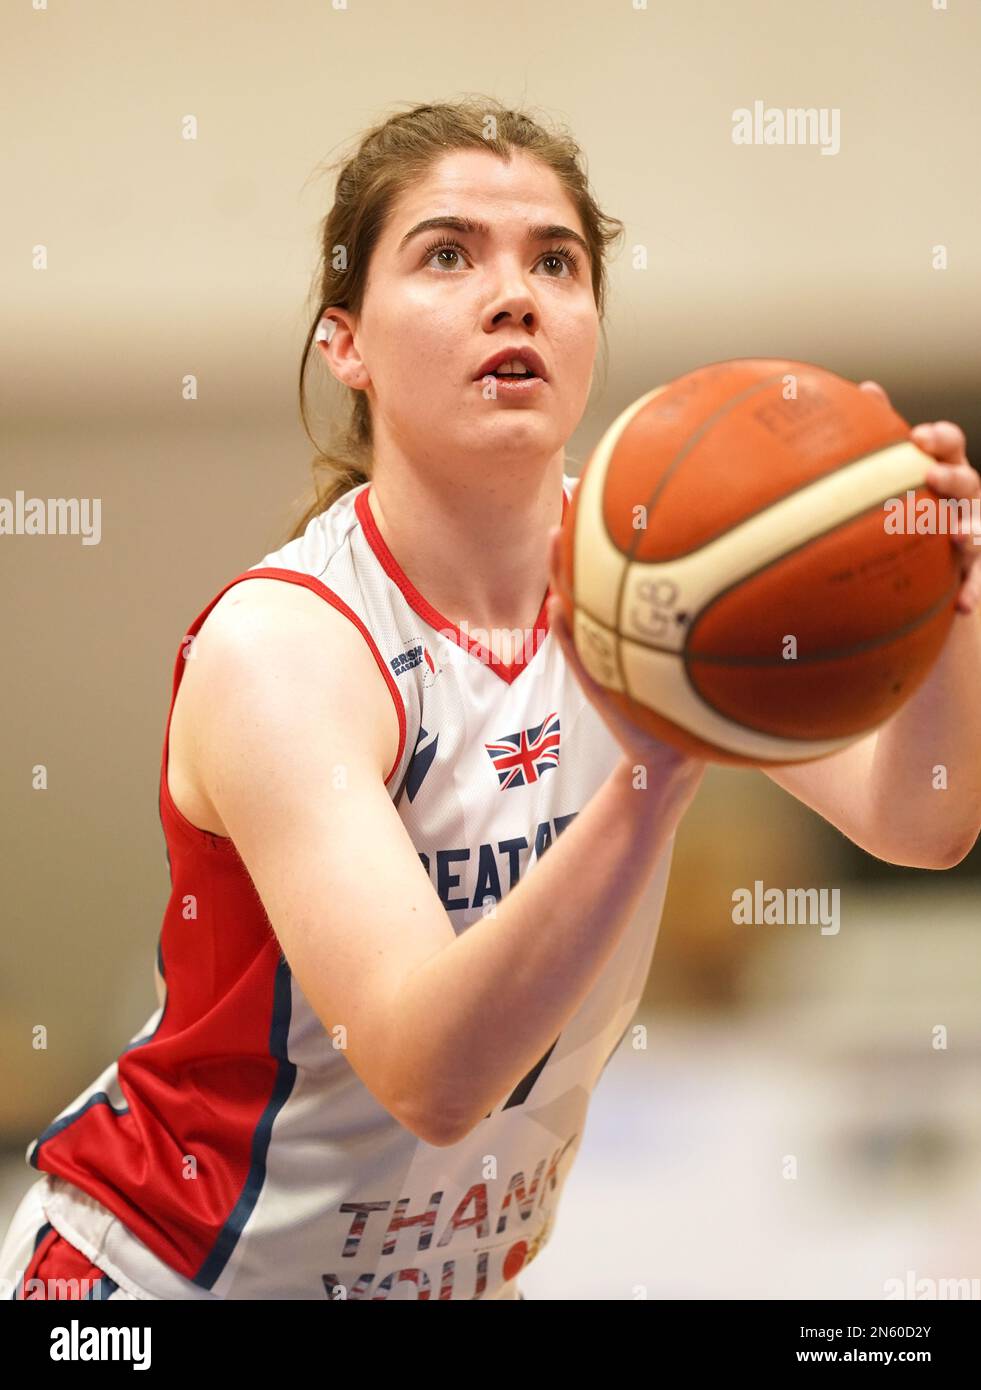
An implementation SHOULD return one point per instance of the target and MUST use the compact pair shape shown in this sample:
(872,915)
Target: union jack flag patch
(522,758)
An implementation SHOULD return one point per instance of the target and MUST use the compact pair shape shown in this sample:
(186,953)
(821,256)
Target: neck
(477,550)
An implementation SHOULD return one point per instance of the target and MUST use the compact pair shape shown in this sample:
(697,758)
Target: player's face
(431,318)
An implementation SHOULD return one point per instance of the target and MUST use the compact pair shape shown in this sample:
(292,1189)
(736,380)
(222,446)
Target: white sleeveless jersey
(305,1186)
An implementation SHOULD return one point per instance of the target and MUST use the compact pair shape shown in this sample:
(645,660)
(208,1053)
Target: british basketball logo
(414,656)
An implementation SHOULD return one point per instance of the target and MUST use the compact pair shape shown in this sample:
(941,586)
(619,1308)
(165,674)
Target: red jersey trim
(316,586)
(435,619)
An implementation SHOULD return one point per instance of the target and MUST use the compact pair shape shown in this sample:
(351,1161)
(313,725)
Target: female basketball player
(416,877)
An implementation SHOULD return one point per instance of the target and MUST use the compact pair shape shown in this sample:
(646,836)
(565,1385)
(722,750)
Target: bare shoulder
(283,646)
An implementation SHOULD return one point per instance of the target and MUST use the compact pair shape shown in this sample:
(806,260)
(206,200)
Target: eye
(566,254)
(444,244)
(560,254)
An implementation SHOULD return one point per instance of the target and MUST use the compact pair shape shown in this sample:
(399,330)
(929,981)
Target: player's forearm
(478,1015)
(925,781)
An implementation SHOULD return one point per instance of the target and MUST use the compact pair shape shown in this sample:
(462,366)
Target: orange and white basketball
(727,573)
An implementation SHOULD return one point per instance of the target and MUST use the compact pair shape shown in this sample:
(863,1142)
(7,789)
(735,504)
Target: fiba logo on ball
(756,528)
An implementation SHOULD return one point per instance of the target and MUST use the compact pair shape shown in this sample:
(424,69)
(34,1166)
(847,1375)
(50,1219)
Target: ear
(340,351)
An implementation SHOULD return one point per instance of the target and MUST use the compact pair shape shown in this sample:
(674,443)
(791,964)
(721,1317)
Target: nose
(527,316)
(513,299)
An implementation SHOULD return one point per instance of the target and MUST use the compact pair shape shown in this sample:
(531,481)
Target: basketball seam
(683,453)
(753,574)
(835,653)
(631,557)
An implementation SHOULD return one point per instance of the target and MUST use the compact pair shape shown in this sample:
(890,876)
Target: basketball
(726,569)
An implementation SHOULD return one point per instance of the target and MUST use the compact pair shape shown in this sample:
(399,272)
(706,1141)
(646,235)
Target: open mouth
(514,383)
(514,365)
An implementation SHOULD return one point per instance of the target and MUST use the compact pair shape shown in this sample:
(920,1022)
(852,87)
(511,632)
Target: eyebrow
(544,231)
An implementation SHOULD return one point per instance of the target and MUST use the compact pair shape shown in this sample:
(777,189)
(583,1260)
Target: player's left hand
(951,475)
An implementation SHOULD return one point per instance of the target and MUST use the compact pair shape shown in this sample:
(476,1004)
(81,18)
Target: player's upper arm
(295,731)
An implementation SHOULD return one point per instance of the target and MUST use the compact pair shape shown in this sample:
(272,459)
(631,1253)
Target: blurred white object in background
(683,1186)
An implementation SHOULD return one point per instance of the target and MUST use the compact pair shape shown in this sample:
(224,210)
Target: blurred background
(789,1129)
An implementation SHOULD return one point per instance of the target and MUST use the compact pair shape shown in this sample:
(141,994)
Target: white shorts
(38,1263)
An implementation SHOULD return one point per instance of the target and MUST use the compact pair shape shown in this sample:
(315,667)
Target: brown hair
(388,159)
